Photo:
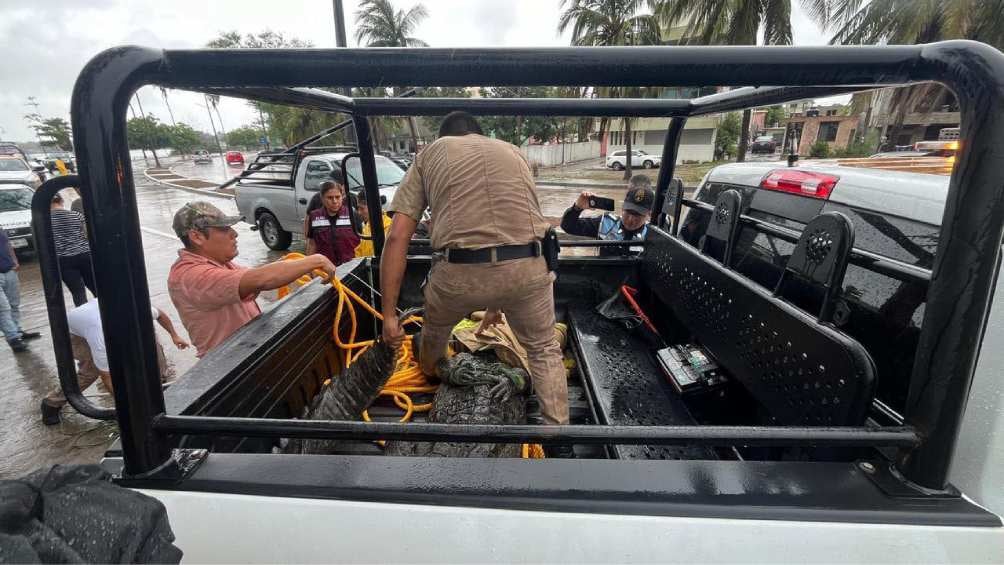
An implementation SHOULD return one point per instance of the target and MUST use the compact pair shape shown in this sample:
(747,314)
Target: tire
(272,234)
(617,166)
(648,164)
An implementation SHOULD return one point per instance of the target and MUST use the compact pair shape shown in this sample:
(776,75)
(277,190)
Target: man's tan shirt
(480,193)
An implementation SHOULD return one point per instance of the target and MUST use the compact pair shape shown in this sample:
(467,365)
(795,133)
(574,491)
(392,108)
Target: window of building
(828,131)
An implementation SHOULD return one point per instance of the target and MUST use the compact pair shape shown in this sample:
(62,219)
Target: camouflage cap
(200,215)
(639,200)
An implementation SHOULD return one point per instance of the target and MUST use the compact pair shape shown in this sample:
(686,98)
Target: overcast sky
(46,44)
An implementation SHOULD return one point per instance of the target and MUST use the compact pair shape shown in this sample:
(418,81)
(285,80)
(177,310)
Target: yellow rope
(407,378)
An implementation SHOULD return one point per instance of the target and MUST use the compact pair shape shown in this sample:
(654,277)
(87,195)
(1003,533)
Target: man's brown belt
(492,254)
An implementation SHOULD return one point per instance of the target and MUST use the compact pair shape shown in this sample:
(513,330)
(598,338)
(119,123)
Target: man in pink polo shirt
(213,295)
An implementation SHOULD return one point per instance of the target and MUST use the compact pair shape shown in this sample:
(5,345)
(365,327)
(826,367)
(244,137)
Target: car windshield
(12,165)
(15,199)
(388,172)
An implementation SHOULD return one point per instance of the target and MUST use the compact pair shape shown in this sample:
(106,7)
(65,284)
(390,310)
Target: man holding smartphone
(630,226)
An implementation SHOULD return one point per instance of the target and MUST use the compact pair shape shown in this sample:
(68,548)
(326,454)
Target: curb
(202,191)
(585,184)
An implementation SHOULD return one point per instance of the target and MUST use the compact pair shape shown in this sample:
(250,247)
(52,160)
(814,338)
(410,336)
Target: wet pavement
(25,378)
(26,444)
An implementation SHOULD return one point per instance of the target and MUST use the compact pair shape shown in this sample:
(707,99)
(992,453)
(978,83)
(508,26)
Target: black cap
(639,200)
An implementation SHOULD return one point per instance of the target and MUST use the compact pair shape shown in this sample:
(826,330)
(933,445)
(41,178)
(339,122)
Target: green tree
(431,123)
(148,133)
(247,137)
(267,39)
(285,123)
(379,25)
(819,149)
(735,22)
(520,129)
(605,23)
(775,114)
(726,136)
(182,138)
(908,22)
(53,132)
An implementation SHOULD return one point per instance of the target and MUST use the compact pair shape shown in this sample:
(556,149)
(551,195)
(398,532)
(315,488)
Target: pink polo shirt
(207,297)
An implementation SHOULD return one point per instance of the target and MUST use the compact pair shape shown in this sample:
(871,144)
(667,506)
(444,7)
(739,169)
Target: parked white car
(15,170)
(618,160)
(15,215)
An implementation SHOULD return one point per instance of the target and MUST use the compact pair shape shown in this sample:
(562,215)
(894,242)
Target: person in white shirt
(88,341)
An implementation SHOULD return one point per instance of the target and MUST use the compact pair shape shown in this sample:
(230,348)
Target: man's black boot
(17,345)
(30,335)
(50,414)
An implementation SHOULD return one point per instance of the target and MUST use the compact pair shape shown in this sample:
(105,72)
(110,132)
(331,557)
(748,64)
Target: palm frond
(777,22)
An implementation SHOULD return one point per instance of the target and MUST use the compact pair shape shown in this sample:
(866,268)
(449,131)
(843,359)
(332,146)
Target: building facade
(802,132)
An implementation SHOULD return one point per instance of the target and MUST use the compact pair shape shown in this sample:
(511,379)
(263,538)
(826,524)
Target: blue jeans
(10,303)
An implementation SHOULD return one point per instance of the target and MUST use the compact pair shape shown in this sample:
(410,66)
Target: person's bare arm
(106,379)
(281,273)
(168,326)
(392,266)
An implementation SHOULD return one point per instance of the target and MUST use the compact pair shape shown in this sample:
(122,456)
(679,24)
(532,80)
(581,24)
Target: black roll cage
(957,306)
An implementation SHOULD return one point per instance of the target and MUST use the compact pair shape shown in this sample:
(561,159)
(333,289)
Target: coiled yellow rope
(407,378)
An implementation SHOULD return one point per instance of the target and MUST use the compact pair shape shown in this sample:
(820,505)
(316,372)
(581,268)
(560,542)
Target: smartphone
(601,203)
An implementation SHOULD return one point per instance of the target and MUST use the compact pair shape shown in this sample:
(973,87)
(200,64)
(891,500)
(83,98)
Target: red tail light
(804,183)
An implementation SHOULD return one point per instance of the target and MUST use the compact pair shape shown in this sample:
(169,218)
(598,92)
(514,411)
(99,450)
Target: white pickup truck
(275,197)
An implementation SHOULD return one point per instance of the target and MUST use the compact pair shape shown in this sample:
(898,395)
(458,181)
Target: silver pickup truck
(275,197)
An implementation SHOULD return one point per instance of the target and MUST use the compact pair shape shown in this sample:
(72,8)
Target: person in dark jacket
(631,225)
(329,228)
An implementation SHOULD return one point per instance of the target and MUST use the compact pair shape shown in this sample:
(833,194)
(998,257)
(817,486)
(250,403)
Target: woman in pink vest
(329,228)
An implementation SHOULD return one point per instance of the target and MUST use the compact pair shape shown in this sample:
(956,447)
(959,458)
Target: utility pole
(156,160)
(339,23)
(264,130)
(34,104)
(341,41)
(212,124)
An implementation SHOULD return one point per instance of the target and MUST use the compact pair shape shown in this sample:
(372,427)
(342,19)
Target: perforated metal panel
(629,388)
(803,372)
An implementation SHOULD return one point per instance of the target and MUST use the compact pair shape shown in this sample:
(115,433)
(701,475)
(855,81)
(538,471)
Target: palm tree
(605,23)
(735,22)
(378,25)
(908,22)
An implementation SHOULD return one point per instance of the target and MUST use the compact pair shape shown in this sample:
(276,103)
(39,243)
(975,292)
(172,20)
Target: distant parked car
(618,160)
(16,170)
(15,215)
(235,158)
(202,156)
(764,144)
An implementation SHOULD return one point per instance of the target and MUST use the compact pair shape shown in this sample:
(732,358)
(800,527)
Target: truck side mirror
(352,174)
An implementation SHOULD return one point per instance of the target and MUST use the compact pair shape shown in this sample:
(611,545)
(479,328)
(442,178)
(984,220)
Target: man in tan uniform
(487,227)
